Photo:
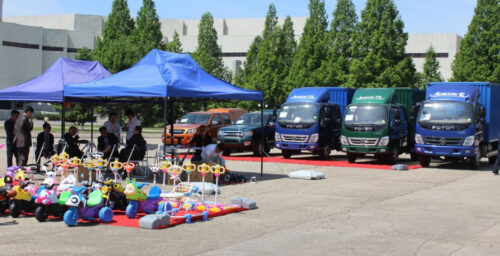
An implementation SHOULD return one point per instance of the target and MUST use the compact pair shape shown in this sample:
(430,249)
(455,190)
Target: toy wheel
(131,211)
(106,214)
(14,209)
(40,213)
(70,218)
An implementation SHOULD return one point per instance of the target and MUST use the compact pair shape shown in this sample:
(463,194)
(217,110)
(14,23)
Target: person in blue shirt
(497,162)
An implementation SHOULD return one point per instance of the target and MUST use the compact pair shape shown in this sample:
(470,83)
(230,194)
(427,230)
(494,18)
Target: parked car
(245,134)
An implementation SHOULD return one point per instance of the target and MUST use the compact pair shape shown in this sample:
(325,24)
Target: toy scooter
(21,199)
(48,203)
(139,201)
(87,209)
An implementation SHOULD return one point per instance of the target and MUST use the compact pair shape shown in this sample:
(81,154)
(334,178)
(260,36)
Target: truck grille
(294,138)
(179,131)
(363,141)
(443,141)
(232,134)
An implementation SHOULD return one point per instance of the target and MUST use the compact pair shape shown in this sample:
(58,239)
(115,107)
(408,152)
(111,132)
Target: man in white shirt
(212,153)
(112,126)
(132,123)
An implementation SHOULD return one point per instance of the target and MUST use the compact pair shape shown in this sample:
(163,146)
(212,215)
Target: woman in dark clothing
(140,147)
(200,140)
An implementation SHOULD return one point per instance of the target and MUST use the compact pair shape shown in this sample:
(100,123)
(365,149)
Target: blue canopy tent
(50,86)
(161,76)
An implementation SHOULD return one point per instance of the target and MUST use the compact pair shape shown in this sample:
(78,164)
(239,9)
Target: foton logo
(360,128)
(303,97)
(450,94)
(294,126)
(443,127)
(370,98)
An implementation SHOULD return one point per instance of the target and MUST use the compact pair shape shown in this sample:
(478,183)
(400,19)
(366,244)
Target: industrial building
(29,45)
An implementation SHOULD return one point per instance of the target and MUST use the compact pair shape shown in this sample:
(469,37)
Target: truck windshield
(250,119)
(195,119)
(298,114)
(366,115)
(446,113)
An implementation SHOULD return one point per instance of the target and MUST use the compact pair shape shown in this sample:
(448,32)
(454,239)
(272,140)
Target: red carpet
(316,162)
(120,219)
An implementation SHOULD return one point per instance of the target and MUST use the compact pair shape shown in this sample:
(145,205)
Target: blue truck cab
(457,121)
(311,120)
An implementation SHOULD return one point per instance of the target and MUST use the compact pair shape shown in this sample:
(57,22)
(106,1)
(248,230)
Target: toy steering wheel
(189,167)
(204,169)
(75,162)
(89,164)
(175,169)
(164,165)
(99,163)
(65,164)
(63,156)
(115,165)
(217,170)
(128,166)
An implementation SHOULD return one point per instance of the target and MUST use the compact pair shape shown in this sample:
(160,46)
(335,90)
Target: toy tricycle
(48,203)
(87,209)
(21,199)
(5,190)
(139,201)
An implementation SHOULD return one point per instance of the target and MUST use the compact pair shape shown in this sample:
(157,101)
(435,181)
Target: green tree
(115,50)
(208,54)
(175,45)
(249,65)
(84,54)
(479,55)
(335,68)
(311,50)
(147,33)
(431,67)
(379,49)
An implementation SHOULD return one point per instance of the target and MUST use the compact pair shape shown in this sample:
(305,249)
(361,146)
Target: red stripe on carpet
(274,159)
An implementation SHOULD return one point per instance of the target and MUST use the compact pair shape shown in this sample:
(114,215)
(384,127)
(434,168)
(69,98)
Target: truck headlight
(191,131)
(343,140)
(469,141)
(384,141)
(313,138)
(277,136)
(418,139)
(248,133)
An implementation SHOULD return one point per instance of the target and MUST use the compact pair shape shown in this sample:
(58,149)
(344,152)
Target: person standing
(22,136)
(45,141)
(132,123)
(112,126)
(9,130)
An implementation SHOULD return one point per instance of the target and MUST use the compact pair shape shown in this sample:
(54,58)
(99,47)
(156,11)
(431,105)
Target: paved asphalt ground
(443,210)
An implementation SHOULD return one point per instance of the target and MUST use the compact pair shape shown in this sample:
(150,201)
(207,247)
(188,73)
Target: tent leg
(262,138)
(165,128)
(172,125)
(63,118)
(91,127)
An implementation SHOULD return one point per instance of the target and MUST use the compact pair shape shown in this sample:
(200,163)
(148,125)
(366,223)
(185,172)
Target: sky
(419,16)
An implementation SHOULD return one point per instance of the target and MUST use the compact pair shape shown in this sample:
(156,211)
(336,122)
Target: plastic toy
(175,171)
(115,167)
(139,201)
(113,194)
(178,204)
(217,170)
(99,165)
(48,203)
(188,168)
(155,170)
(89,164)
(21,199)
(164,165)
(87,209)
(128,166)
(5,191)
(204,169)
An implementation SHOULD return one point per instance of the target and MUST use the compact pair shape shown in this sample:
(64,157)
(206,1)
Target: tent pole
(63,117)
(91,127)
(165,128)
(172,121)
(262,138)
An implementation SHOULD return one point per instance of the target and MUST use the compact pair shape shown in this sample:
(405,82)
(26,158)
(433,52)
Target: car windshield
(365,115)
(446,113)
(298,114)
(195,119)
(250,119)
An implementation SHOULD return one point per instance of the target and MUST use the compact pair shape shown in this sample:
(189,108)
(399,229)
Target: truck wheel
(286,154)
(475,161)
(492,159)
(324,153)
(226,152)
(351,158)
(425,161)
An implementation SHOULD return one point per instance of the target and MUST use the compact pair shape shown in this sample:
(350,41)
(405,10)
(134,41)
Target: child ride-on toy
(89,208)
(48,203)
(139,201)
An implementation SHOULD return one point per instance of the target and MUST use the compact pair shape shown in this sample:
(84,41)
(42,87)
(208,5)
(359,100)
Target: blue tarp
(160,74)
(48,87)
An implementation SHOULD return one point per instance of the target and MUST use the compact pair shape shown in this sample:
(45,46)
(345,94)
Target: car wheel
(351,158)
(425,161)
(286,154)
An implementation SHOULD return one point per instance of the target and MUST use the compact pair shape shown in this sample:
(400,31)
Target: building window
(422,55)
(21,45)
(52,48)
(234,54)
(73,50)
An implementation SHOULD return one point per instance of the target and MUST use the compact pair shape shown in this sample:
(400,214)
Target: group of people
(18,140)
(209,152)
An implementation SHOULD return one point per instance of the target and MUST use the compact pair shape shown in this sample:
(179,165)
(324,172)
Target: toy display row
(95,200)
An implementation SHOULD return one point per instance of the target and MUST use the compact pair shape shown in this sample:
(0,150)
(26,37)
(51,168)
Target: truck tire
(324,152)
(351,158)
(226,152)
(475,161)
(286,154)
(425,161)
(492,159)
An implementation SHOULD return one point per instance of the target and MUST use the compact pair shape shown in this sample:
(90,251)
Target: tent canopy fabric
(160,74)
(49,86)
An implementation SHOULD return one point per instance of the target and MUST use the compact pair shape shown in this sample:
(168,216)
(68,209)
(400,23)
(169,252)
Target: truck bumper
(237,144)
(449,151)
(179,140)
(296,146)
(365,149)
